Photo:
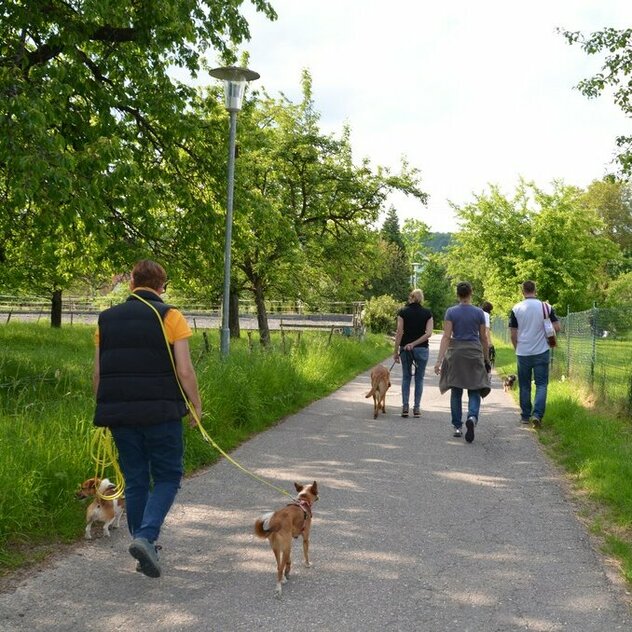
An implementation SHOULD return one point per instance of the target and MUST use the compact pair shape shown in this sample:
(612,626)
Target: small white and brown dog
(508,382)
(100,509)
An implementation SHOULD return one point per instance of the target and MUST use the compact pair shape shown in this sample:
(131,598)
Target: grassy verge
(46,409)
(595,449)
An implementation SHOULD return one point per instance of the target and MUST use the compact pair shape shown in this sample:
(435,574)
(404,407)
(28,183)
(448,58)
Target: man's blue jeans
(456,405)
(150,453)
(416,359)
(536,366)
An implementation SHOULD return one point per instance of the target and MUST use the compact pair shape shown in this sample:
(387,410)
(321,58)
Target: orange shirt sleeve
(176,326)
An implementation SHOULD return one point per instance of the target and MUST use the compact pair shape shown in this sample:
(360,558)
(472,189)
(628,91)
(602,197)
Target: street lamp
(416,269)
(235,80)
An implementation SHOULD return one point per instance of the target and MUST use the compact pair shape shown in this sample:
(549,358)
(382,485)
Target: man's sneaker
(145,552)
(405,411)
(537,422)
(525,421)
(469,433)
(416,412)
(139,568)
(457,432)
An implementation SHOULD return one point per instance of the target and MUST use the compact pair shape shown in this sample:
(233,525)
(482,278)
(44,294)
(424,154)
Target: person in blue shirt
(463,360)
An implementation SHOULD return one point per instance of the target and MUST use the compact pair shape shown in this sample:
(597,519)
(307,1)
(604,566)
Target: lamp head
(235,80)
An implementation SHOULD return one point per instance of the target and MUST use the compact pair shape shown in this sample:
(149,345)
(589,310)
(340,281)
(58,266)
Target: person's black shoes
(145,552)
(469,433)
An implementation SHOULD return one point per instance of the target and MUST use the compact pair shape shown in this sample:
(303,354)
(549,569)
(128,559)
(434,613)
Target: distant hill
(437,242)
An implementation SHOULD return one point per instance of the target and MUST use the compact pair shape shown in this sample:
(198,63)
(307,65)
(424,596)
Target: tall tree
(304,209)
(550,237)
(611,199)
(615,74)
(89,116)
(415,234)
(486,249)
(437,287)
(390,229)
(393,276)
(565,250)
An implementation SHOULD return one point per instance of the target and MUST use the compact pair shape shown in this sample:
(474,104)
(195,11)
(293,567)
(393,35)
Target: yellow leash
(191,408)
(103,453)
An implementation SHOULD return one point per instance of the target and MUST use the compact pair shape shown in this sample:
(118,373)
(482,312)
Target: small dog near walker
(281,526)
(101,510)
(380,383)
(509,382)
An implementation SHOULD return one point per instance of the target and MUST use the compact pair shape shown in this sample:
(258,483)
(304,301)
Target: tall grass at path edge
(46,410)
(594,447)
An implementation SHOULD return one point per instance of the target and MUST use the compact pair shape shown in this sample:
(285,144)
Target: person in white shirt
(526,324)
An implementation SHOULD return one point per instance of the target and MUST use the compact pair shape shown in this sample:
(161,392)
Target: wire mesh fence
(594,349)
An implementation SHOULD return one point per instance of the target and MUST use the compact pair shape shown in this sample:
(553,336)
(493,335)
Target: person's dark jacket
(137,384)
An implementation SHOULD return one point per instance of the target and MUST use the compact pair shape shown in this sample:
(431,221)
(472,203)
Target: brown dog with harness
(281,526)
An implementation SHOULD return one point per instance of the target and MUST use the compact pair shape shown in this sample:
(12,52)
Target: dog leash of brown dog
(194,415)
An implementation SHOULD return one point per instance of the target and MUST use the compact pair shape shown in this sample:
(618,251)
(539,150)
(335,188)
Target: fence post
(568,341)
(593,354)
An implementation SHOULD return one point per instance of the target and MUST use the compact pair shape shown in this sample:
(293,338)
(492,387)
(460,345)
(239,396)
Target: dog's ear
(298,487)
(315,488)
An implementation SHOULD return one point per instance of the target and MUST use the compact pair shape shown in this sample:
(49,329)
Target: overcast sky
(470,92)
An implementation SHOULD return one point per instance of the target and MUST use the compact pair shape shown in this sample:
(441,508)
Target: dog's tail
(263,526)
(370,393)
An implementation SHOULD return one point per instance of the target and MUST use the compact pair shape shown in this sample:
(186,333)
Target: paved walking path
(415,530)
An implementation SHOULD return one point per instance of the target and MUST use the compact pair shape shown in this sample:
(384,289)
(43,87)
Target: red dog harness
(306,506)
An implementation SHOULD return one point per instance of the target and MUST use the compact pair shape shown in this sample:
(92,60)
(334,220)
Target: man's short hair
(528,287)
(148,273)
(487,307)
(463,289)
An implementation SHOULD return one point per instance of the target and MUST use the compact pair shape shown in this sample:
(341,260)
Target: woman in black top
(414,328)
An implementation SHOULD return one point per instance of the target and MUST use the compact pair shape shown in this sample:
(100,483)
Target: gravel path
(414,530)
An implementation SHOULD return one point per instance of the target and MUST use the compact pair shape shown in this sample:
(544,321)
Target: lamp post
(416,268)
(235,80)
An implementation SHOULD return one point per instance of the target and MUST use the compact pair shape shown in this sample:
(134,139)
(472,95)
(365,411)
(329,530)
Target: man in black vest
(139,399)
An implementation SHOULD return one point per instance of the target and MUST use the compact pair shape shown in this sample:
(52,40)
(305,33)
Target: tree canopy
(93,127)
(616,73)
(551,237)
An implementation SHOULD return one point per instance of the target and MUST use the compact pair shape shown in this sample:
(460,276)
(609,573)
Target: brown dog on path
(281,526)
(380,383)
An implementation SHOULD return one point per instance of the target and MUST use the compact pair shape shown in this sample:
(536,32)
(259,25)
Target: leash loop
(103,454)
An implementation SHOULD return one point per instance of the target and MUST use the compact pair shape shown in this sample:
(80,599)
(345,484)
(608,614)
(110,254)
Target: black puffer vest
(136,384)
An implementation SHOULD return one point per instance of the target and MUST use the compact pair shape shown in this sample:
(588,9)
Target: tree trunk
(262,315)
(233,314)
(55,310)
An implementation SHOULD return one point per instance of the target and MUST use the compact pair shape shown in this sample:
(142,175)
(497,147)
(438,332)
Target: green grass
(610,374)
(595,449)
(46,408)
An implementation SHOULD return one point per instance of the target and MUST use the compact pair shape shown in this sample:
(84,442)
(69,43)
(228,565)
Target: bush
(381,314)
